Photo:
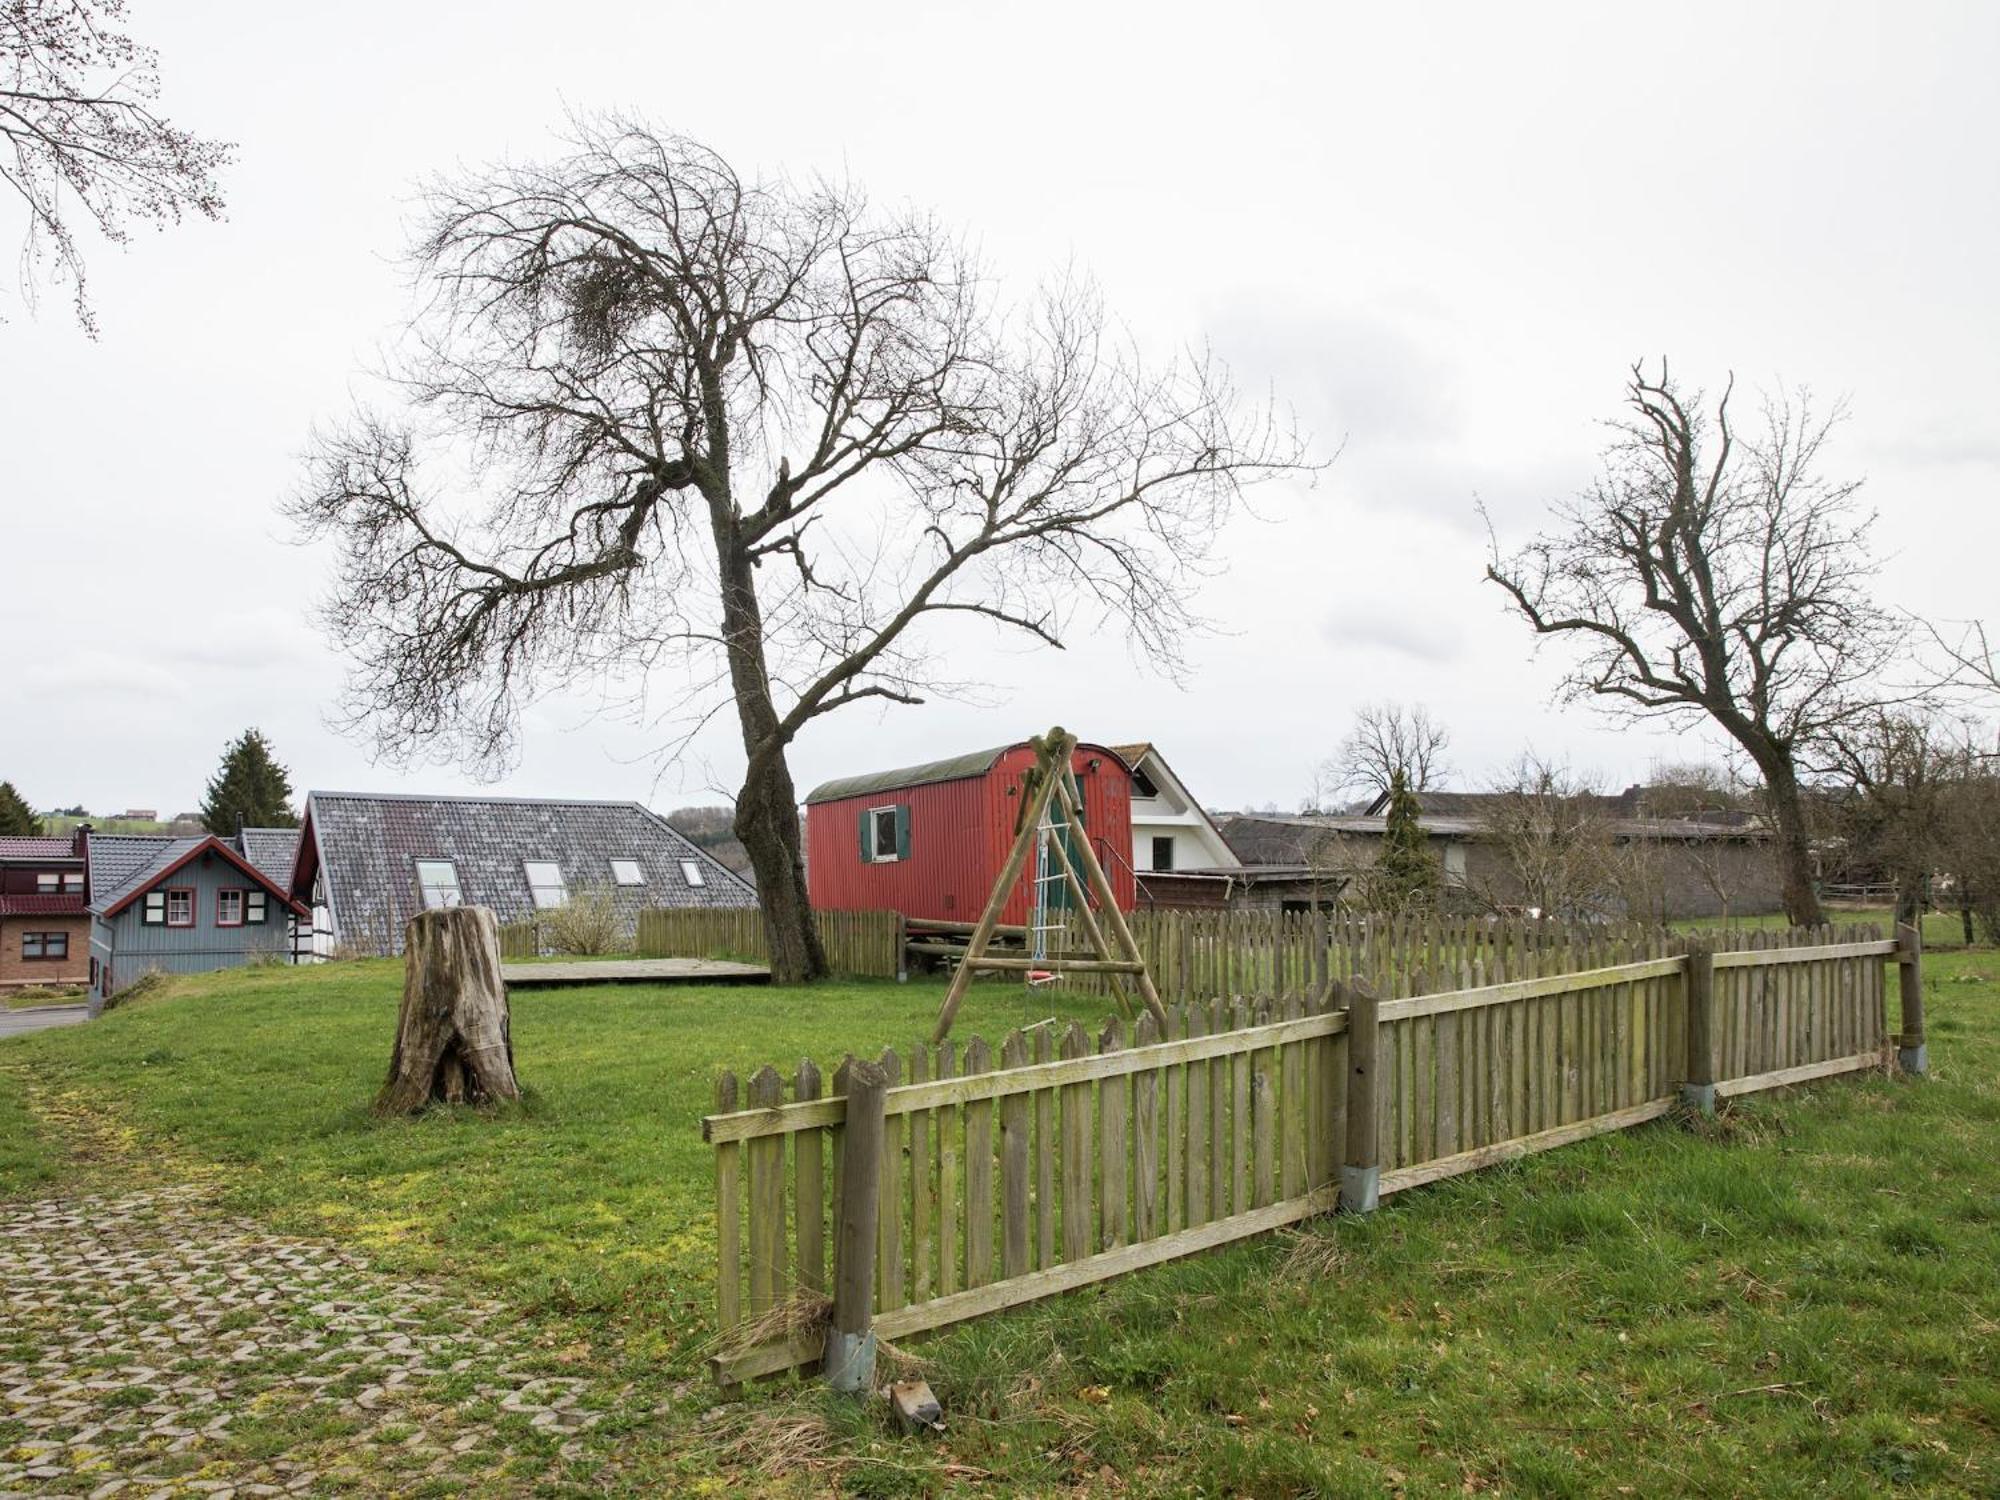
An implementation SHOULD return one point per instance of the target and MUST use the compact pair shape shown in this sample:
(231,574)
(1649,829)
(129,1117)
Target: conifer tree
(16,817)
(1406,875)
(251,790)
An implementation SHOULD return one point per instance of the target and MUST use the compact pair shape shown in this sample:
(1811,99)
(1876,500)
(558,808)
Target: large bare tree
(1719,574)
(81,140)
(1389,740)
(762,433)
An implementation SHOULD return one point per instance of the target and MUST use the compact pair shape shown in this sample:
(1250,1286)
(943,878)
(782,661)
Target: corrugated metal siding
(960,833)
(132,948)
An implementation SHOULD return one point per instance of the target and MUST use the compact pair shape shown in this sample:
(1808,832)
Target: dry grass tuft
(772,1442)
(1315,1255)
(802,1317)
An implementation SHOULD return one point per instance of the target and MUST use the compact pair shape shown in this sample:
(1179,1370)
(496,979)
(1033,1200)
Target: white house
(1170,832)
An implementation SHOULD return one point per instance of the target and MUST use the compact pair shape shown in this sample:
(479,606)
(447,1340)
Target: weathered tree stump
(453,1045)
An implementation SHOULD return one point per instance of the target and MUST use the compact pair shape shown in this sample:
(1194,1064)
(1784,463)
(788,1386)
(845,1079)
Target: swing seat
(1042,976)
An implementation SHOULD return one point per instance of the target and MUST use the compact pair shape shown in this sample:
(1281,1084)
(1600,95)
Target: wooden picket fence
(863,944)
(1013,1173)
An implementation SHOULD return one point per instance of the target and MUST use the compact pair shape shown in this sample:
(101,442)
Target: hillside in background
(713,828)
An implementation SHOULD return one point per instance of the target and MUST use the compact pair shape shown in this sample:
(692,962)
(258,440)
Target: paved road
(41,1018)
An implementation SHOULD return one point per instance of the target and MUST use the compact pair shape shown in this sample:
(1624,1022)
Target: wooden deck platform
(632,971)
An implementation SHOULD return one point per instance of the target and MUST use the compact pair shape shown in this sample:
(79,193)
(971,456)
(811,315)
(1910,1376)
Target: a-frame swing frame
(1112,948)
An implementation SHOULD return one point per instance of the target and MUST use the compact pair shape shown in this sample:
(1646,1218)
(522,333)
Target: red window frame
(181,890)
(242,902)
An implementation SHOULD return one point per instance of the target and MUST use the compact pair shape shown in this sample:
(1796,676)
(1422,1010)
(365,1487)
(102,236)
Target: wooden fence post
(1912,1056)
(1698,1092)
(1361,1172)
(849,1361)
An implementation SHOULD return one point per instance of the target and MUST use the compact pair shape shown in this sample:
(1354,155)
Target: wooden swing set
(1052,808)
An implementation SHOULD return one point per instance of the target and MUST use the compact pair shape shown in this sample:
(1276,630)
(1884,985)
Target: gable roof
(35,846)
(123,867)
(1133,754)
(272,850)
(365,847)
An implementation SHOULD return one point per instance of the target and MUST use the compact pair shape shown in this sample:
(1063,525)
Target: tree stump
(453,1044)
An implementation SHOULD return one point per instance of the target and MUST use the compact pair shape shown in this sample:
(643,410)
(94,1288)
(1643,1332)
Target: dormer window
(437,884)
(546,884)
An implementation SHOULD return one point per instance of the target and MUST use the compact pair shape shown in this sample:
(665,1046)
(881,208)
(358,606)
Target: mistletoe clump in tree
(251,790)
(763,434)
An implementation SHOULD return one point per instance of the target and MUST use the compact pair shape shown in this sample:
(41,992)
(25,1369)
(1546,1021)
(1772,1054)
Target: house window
(1163,852)
(691,873)
(885,834)
(545,883)
(255,907)
(1142,784)
(73,883)
(229,908)
(180,907)
(437,884)
(155,914)
(627,872)
(48,882)
(51,946)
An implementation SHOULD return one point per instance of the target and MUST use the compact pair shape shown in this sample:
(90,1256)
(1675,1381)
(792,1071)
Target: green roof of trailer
(953,768)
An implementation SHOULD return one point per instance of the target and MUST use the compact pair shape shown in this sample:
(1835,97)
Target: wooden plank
(923,1188)
(1045,1157)
(1014,1207)
(978,1171)
(1113,1111)
(1146,1140)
(1775,957)
(1176,1127)
(1076,1155)
(1262,1117)
(889,1219)
(1803,1073)
(1197,1123)
(743,1125)
(728,1217)
(767,1200)
(1218,1111)
(1524,989)
(1295,1112)
(951,1158)
(1546,1140)
(809,1188)
(1239,1113)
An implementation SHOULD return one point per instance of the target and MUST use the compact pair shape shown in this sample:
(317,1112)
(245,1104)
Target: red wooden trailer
(929,841)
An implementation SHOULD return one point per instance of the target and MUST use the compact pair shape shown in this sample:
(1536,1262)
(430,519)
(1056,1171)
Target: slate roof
(120,861)
(366,848)
(18,846)
(42,904)
(272,850)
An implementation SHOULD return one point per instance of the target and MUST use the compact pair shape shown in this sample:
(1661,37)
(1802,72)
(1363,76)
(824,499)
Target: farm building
(929,841)
(186,905)
(1180,855)
(368,863)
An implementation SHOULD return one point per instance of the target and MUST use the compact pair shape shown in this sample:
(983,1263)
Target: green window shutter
(902,830)
(867,838)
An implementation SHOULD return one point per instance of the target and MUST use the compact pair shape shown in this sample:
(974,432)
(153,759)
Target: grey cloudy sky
(1441,232)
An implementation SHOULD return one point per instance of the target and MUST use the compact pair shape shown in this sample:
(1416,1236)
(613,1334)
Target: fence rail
(865,944)
(1053,1161)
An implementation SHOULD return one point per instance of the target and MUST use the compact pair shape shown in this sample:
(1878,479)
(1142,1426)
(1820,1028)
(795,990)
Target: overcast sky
(1440,232)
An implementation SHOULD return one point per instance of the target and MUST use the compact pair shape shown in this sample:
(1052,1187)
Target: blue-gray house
(188,905)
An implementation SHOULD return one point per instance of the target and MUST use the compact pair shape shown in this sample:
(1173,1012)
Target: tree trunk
(767,809)
(767,821)
(1801,895)
(452,1039)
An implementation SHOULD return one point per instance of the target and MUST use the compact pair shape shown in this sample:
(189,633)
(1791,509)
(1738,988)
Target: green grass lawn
(1802,1299)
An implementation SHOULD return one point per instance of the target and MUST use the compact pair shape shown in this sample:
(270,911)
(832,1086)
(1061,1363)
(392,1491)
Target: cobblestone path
(151,1348)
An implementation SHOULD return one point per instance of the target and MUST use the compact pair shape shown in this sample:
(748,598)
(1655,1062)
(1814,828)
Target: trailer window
(882,833)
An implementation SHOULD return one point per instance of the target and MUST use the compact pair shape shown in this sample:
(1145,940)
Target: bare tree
(1389,740)
(1708,574)
(759,432)
(1897,775)
(79,136)
(1557,853)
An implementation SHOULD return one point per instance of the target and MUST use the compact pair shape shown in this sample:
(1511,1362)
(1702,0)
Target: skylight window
(437,884)
(692,874)
(627,872)
(546,884)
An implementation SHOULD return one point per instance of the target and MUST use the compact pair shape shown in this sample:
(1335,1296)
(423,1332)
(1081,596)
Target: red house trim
(210,845)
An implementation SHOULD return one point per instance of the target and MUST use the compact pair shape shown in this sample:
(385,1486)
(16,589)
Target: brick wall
(17,972)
